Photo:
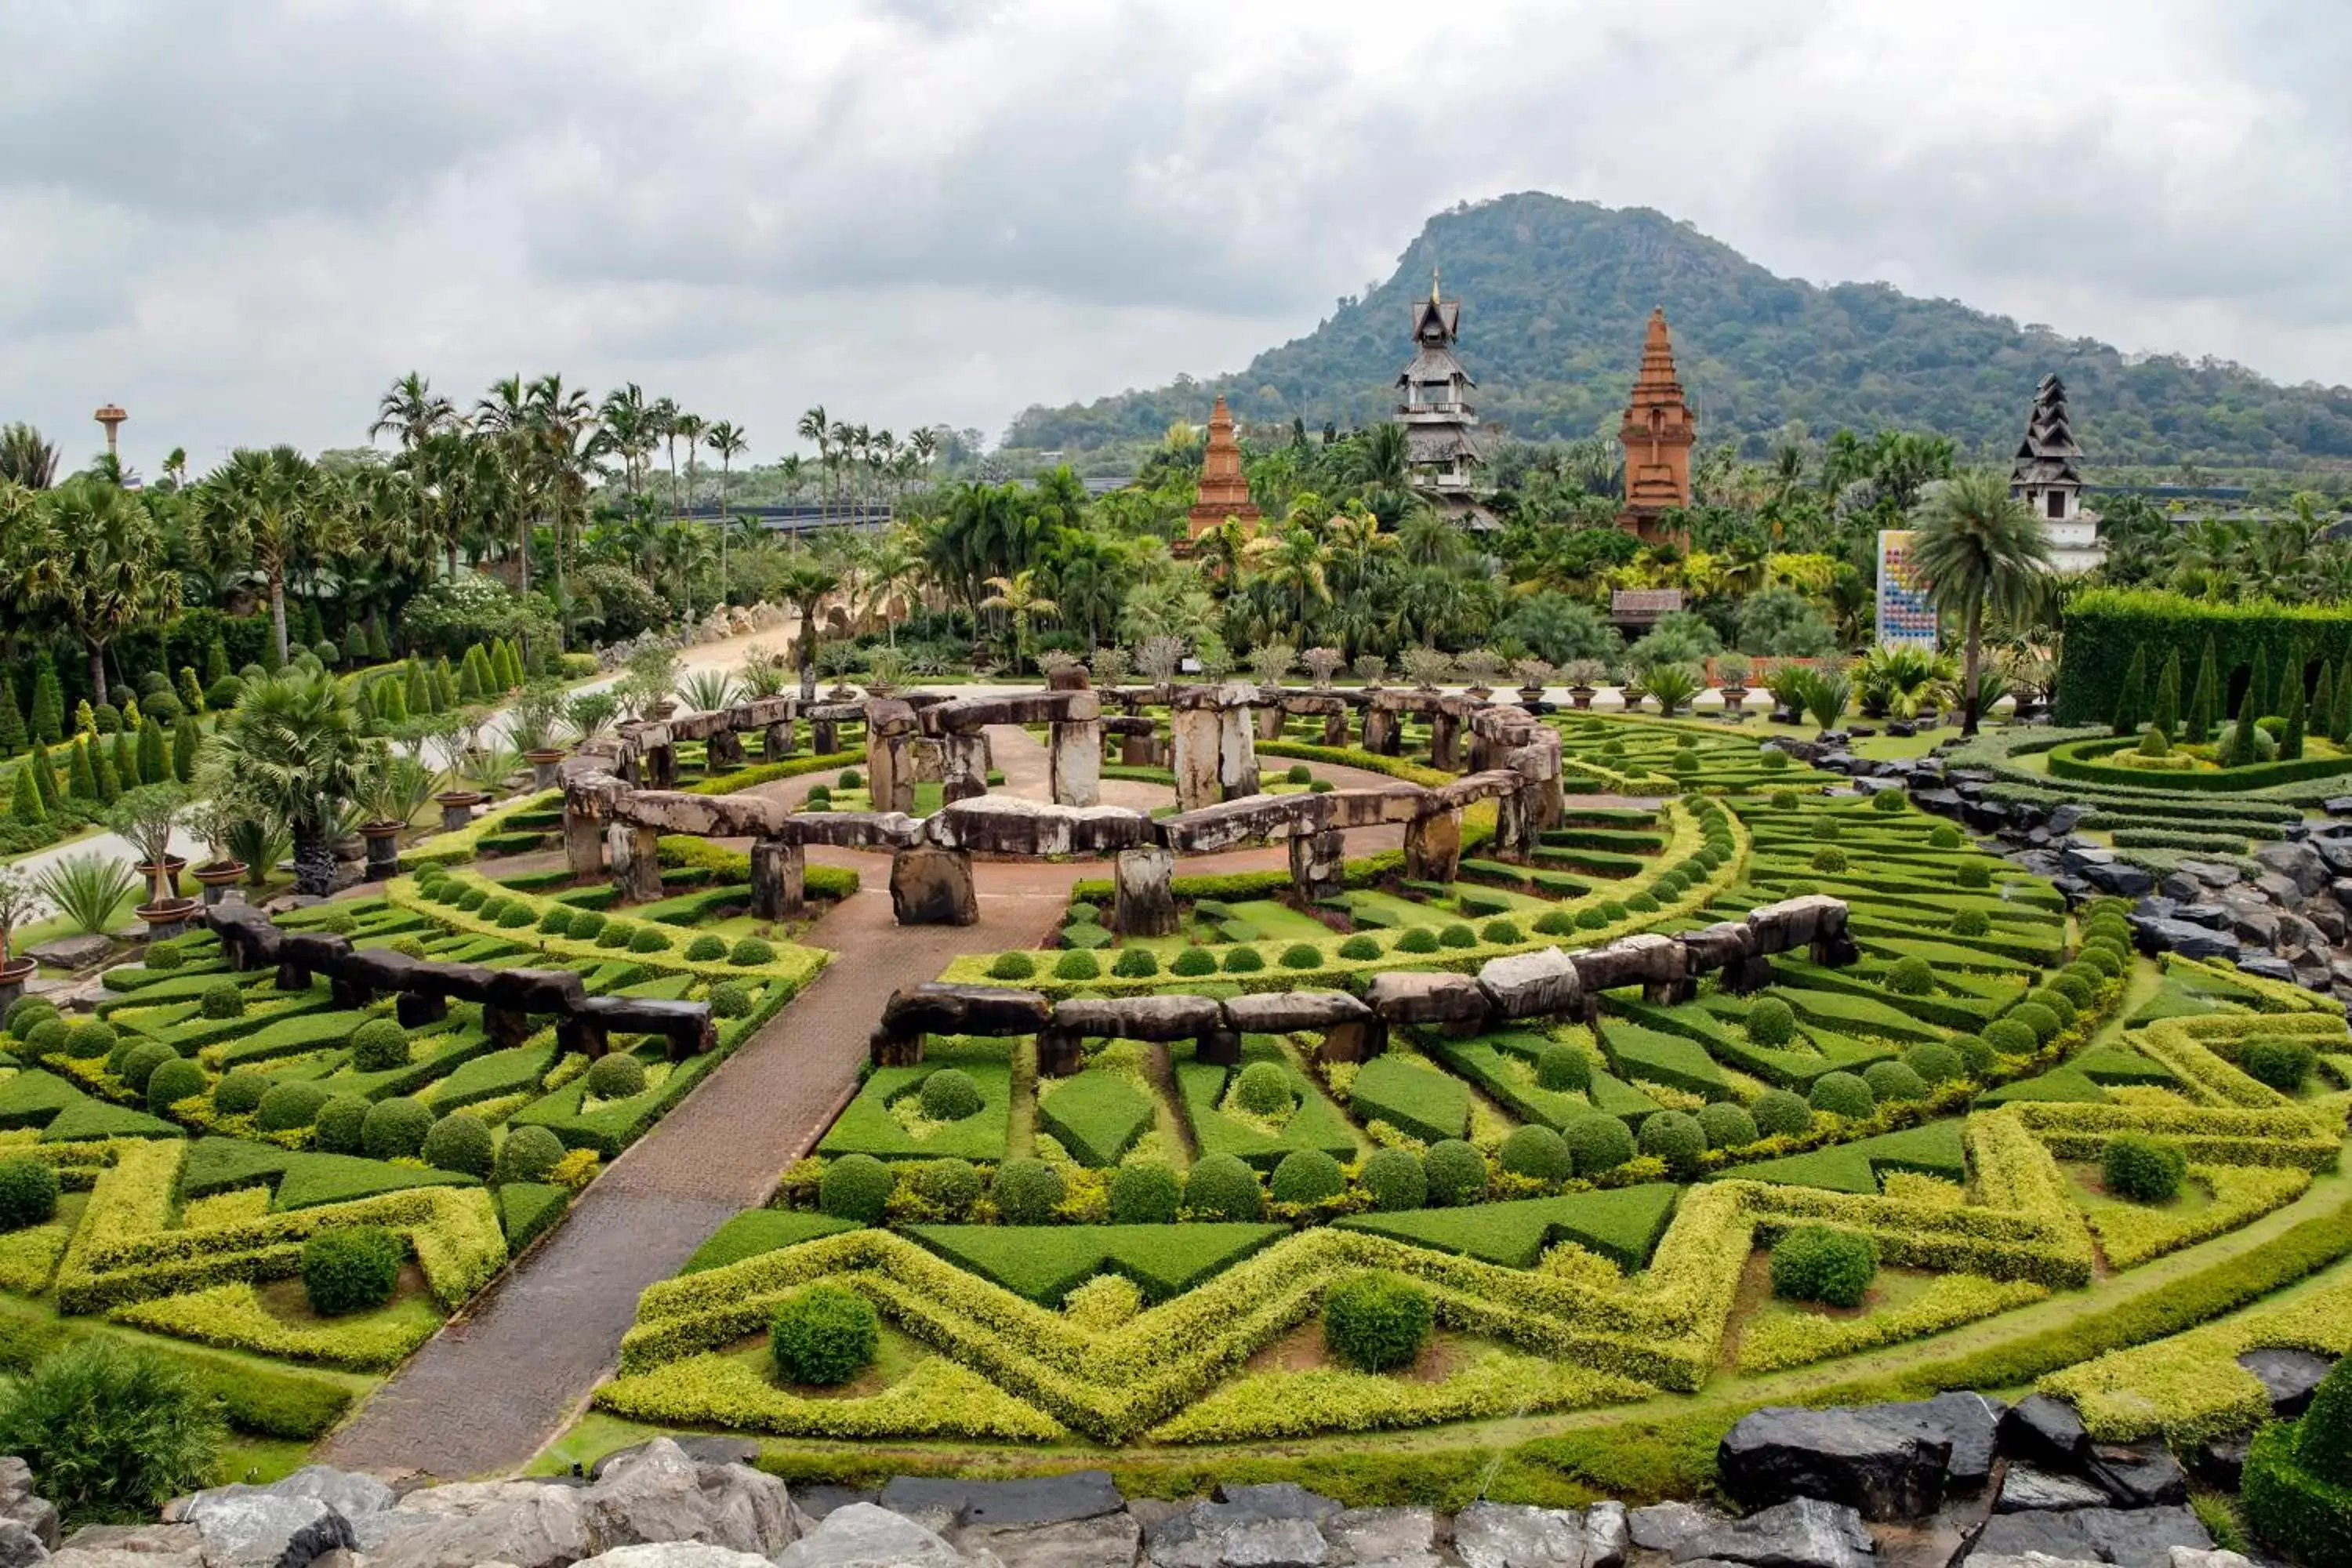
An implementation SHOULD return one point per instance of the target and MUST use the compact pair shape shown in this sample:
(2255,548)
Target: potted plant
(1322,664)
(1672,684)
(16,905)
(1584,677)
(533,725)
(764,672)
(590,713)
(1425,666)
(1370,668)
(1731,673)
(1788,683)
(1535,675)
(145,817)
(1481,666)
(216,822)
(450,737)
(392,789)
(653,675)
(1110,666)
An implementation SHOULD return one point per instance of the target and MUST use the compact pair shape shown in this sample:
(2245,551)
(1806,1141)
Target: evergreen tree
(2323,697)
(216,663)
(192,691)
(45,776)
(270,663)
(2339,718)
(155,762)
(2202,700)
(354,645)
(184,736)
(445,685)
(2131,701)
(390,700)
(13,734)
(109,779)
(83,778)
(2291,738)
(418,700)
(48,703)
(27,807)
(475,675)
(506,668)
(2258,688)
(378,649)
(125,754)
(2289,679)
(2166,716)
(85,720)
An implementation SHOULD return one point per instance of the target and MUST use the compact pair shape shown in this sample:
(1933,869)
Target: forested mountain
(1554,294)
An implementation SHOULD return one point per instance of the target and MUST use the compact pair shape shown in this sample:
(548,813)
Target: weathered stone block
(932,885)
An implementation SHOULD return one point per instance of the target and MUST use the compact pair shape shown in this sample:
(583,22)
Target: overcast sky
(241,218)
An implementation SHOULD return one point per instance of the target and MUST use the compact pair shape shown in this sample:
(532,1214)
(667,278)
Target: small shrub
(1887,800)
(1676,1138)
(616,935)
(165,956)
(823,1335)
(855,1187)
(171,1082)
(646,939)
(1597,1142)
(1012,966)
(1555,923)
(1027,1192)
(2281,1063)
(556,919)
(240,1092)
(750,952)
(28,1192)
(528,1155)
(1782,1113)
(136,1061)
(617,1075)
(1975,1054)
(1727,1126)
(1297,774)
(1374,1320)
(460,1141)
(1823,1263)
(1078,964)
(950,1185)
(2078,989)
(1456,1173)
(1500,932)
(340,1126)
(849,778)
(379,1046)
(1417,938)
(112,1432)
(1135,963)
(1308,1176)
(1395,1179)
(1829,857)
(950,1095)
(2038,1019)
(288,1106)
(729,999)
(394,1129)
(1537,1153)
(1893,1080)
(222,999)
(1971,922)
(1946,835)
(1359,949)
(1563,1070)
(1457,935)
(1223,1187)
(1770,1021)
(1245,961)
(26,1013)
(587,924)
(1193,962)
(706,948)
(1844,1094)
(2143,1169)
(1301,955)
(1145,1193)
(2061,1006)
(1974,875)
(350,1268)
(1934,1062)
(2009,1037)
(1911,977)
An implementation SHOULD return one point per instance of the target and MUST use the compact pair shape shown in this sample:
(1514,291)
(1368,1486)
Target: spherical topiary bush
(1223,1187)
(1082,913)
(2077,989)
(26,1013)
(849,778)
(587,924)
(379,1046)
(1829,857)
(1823,1263)
(729,999)
(1135,963)
(1417,938)
(1012,966)
(706,949)
(647,939)
(1590,919)
(616,1076)
(1300,955)
(1770,1021)
(855,1187)
(171,1082)
(340,1126)
(45,1038)
(1727,1126)
(515,916)
(2281,1063)
(393,1129)
(1194,961)
(750,952)
(1297,774)
(164,955)
(1893,1080)
(1394,1179)
(141,1061)
(2042,1022)
(1976,1054)
(460,1141)
(1374,1321)
(1843,1094)
(616,935)
(950,1095)
(556,919)
(1974,875)
(1537,1152)
(1597,1143)
(288,1106)
(1555,923)
(28,1193)
(1888,801)
(1935,1062)
(1828,830)
(1676,1138)
(1308,1176)
(1500,932)
(2103,958)
(1264,1089)
(1945,836)
(222,999)
(240,1092)
(1027,1192)
(1455,1173)
(823,1335)
(1145,1193)
(2061,1007)
(1971,922)
(2143,1169)
(950,1185)
(1245,961)
(1782,1113)
(1911,977)
(1359,949)
(529,1153)
(1563,1070)
(352,1269)
(2009,1037)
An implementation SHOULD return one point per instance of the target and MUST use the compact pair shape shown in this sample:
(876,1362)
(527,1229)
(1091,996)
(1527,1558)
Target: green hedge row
(2079,761)
(2104,626)
(257,1399)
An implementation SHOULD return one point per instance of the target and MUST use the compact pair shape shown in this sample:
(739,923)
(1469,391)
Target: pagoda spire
(1658,434)
(1225,490)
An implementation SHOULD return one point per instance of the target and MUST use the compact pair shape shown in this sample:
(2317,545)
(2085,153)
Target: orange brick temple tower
(1224,491)
(1658,436)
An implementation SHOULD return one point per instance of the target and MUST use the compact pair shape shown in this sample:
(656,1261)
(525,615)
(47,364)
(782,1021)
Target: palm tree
(805,582)
(564,441)
(268,508)
(26,458)
(893,563)
(290,751)
(727,438)
(628,432)
(664,420)
(107,571)
(28,561)
(814,428)
(1294,564)
(410,411)
(1977,545)
(690,428)
(1017,595)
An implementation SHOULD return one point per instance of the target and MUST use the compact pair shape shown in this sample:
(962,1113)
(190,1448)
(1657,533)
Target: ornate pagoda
(1224,492)
(2046,479)
(1657,435)
(1442,436)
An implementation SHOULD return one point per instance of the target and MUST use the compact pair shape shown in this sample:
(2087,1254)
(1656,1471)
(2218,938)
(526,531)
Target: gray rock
(2253,923)
(660,1494)
(2212,917)
(1033,1499)
(2188,941)
(2191,1557)
(1509,1535)
(1981,1559)
(1106,1540)
(1386,1537)
(132,1546)
(2268,967)
(702,1450)
(2220,1461)
(1275,1499)
(1803,1533)
(522,1523)
(863,1535)
(1607,1535)
(1969,1424)
(815,1503)
(1662,1527)
(19,1546)
(674,1554)
(1838,1455)
(2289,1376)
(2129,1538)
(2025,1490)
(2137,1475)
(1221,1535)
(71,952)
(2298,863)
(261,1530)
(2213,873)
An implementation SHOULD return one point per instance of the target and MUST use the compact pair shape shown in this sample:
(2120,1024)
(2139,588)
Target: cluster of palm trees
(2291,556)
(857,468)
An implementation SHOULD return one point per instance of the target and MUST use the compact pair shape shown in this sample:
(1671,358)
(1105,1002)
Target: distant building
(1445,448)
(1224,491)
(2046,479)
(1658,434)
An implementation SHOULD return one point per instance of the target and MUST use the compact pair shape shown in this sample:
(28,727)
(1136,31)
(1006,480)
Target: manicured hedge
(1044,1263)
(1097,1116)
(2080,761)
(1623,1225)
(2106,626)
(1419,1101)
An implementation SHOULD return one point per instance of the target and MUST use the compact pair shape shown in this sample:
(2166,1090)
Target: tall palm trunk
(277,607)
(314,859)
(96,673)
(1971,652)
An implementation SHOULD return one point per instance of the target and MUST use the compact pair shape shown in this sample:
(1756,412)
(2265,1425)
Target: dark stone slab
(1036,1499)
(1804,1532)
(1277,1499)
(2289,1376)
(2220,1461)
(1841,1455)
(2045,1431)
(2024,1489)
(818,1502)
(2137,1475)
(1969,1423)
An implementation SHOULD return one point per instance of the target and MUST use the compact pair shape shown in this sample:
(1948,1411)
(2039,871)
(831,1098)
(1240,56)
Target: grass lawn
(1280,923)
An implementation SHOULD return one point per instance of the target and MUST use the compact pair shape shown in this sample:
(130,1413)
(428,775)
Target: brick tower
(1224,491)
(1657,435)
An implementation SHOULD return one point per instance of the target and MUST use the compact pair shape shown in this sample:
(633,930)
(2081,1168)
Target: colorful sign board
(1906,617)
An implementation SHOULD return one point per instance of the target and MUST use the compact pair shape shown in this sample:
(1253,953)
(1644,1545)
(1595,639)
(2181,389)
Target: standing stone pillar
(723,751)
(779,879)
(1379,731)
(1137,751)
(889,756)
(1319,862)
(1515,827)
(661,767)
(1335,728)
(1236,754)
(1197,771)
(825,737)
(963,766)
(1060,1052)
(1142,900)
(1444,740)
(931,885)
(1075,761)
(583,845)
(1270,717)
(777,743)
(637,865)
(1433,846)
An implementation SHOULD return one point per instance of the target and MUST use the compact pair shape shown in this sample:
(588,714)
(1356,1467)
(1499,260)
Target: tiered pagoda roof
(1658,434)
(1433,404)
(2046,455)
(1225,490)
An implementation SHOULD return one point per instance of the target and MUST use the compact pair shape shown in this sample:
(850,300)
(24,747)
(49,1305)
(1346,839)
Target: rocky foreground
(1957,1479)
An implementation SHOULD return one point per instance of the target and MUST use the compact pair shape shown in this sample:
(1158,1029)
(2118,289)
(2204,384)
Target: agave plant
(89,890)
(590,713)
(487,766)
(1672,684)
(533,718)
(708,691)
(146,817)
(17,902)
(1825,693)
(394,787)
(261,840)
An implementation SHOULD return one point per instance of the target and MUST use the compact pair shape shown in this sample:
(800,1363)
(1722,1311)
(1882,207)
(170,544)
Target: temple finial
(1432,285)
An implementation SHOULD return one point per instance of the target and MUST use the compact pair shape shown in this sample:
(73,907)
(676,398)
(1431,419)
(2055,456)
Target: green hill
(1554,294)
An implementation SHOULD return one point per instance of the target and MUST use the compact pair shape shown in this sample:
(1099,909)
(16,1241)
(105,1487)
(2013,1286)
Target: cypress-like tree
(390,700)
(469,674)
(2291,738)
(216,663)
(192,690)
(13,733)
(26,805)
(109,778)
(155,762)
(377,648)
(48,703)
(2258,688)
(125,754)
(354,645)
(509,664)
(82,774)
(2132,699)
(2290,678)
(2322,699)
(2166,715)
(85,718)
(184,738)
(445,685)
(413,693)
(45,776)
(2339,718)
(2202,700)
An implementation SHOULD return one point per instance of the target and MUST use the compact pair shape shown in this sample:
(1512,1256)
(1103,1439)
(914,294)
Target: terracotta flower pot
(1580,697)
(217,876)
(169,917)
(13,975)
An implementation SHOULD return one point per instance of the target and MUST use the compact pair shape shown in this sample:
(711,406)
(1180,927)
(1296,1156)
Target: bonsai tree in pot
(1584,677)
(1535,675)
(1480,666)
(1425,666)
(1370,668)
(145,817)
(1672,684)
(291,746)
(1270,661)
(1731,673)
(215,823)
(17,902)
(1322,664)
(591,713)
(534,724)
(392,789)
